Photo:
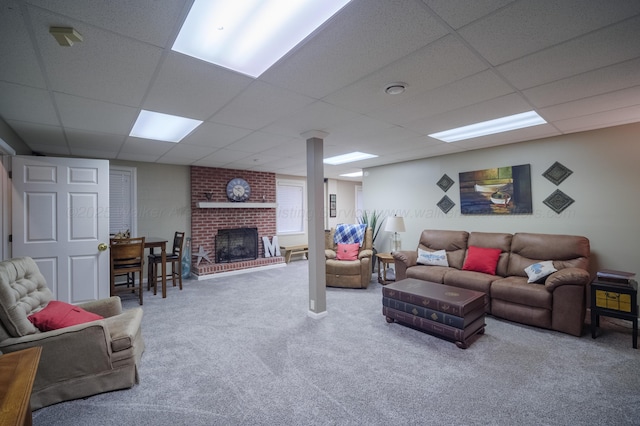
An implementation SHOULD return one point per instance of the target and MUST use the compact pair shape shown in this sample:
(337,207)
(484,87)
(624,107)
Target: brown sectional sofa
(558,303)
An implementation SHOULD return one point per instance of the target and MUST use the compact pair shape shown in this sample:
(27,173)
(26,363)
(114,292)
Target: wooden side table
(17,373)
(384,260)
(617,301)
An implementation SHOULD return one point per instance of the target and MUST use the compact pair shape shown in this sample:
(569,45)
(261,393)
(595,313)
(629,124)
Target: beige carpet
(242,351)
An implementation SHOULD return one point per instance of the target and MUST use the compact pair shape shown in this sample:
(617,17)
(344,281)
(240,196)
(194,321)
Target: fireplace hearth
(236,245)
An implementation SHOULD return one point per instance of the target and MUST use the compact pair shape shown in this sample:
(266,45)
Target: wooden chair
(127,258)
(174,258)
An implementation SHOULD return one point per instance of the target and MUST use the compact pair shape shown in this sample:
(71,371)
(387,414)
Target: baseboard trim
(237,272)
(317,315)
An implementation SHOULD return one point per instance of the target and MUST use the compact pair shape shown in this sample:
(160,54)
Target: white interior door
(60,217)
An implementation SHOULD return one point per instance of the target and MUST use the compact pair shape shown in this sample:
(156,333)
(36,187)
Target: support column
(315,216)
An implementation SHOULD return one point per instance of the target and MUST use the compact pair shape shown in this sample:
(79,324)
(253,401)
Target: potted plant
(373,221)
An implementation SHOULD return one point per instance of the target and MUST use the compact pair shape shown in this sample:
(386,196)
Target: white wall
(164,199)
(604,185)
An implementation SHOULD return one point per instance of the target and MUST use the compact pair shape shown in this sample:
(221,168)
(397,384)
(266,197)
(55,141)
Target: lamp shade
(394,224)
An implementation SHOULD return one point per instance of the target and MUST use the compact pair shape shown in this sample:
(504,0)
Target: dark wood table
(17,374)
(152,243)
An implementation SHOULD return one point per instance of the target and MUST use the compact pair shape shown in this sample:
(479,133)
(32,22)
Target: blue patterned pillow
(539,270)
(433,258)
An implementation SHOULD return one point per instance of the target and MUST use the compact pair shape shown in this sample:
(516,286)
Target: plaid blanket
(349,234)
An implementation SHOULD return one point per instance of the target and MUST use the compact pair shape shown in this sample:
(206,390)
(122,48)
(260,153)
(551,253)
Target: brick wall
(205,222)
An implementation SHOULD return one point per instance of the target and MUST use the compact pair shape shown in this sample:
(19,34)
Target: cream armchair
(348,273)
(76,361)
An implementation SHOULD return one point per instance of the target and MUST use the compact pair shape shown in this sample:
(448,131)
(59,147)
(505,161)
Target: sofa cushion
(343,267)
(539,270)
(454,242)
(347,251)
(435,274)
(470,280)
(23,290)
(517,290)
(60,315)
(566,251)
(435,258)
(482,259)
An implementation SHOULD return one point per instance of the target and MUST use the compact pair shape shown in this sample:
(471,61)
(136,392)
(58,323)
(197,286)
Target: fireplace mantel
(215,205)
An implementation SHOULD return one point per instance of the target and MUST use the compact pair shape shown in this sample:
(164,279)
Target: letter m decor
(271,248)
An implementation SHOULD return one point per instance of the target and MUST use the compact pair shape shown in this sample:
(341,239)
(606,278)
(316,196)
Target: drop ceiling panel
(502,106)
(26,103)
(604,80)
(102,117)
(185,154)
(150,149)
(19,61)
(459,13)
(477,88)
(222,157)
(125,66)
(356,42)
(215,135)
(257,142)
(316,116)
(151,21)
(93,145)
(599,120)
(418,70)
(593,105)
(525,27)
(197,89)
(259,105)
(577,56)
(41,135)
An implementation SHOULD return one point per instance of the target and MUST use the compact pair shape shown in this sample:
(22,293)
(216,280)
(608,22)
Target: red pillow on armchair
(347,251)
(482,259)
(59,315)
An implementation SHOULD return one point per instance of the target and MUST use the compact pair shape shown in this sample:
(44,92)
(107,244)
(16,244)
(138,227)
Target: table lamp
(395,224)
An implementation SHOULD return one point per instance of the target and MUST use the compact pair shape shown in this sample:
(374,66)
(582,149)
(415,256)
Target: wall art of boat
(501,198)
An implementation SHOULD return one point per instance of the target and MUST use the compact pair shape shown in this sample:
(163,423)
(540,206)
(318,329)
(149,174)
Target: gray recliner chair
(77,361)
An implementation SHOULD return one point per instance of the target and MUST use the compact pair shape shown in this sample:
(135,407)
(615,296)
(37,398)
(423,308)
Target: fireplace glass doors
(236,245)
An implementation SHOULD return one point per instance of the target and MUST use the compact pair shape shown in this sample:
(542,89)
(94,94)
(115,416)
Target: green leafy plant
(373,221)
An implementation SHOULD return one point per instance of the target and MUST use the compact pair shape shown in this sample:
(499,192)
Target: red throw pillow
(347,251)
(482,259)
(59,315)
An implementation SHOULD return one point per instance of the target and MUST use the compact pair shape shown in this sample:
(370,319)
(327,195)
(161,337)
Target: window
(122,200)
(290,210)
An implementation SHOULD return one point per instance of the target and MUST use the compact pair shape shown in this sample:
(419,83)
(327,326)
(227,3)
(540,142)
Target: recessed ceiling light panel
(248,36)
(162,127)
(353,174)
(348,158)
(499,125)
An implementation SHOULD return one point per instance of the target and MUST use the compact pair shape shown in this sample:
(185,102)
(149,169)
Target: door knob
(102,246)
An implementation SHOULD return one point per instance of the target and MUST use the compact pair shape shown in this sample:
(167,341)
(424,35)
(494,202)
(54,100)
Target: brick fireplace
(207,219)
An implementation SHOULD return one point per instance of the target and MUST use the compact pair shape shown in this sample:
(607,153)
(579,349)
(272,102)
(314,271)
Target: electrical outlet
(312,304)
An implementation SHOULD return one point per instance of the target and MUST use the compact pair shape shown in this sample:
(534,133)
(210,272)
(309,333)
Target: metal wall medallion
(558,201)
(445,182)
(446,204)
(557,173)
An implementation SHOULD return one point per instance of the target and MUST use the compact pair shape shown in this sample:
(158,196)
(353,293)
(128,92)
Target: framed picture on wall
(498,191)
(332,205)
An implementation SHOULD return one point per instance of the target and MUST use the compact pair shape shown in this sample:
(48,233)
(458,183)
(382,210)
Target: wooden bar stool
(174,258)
